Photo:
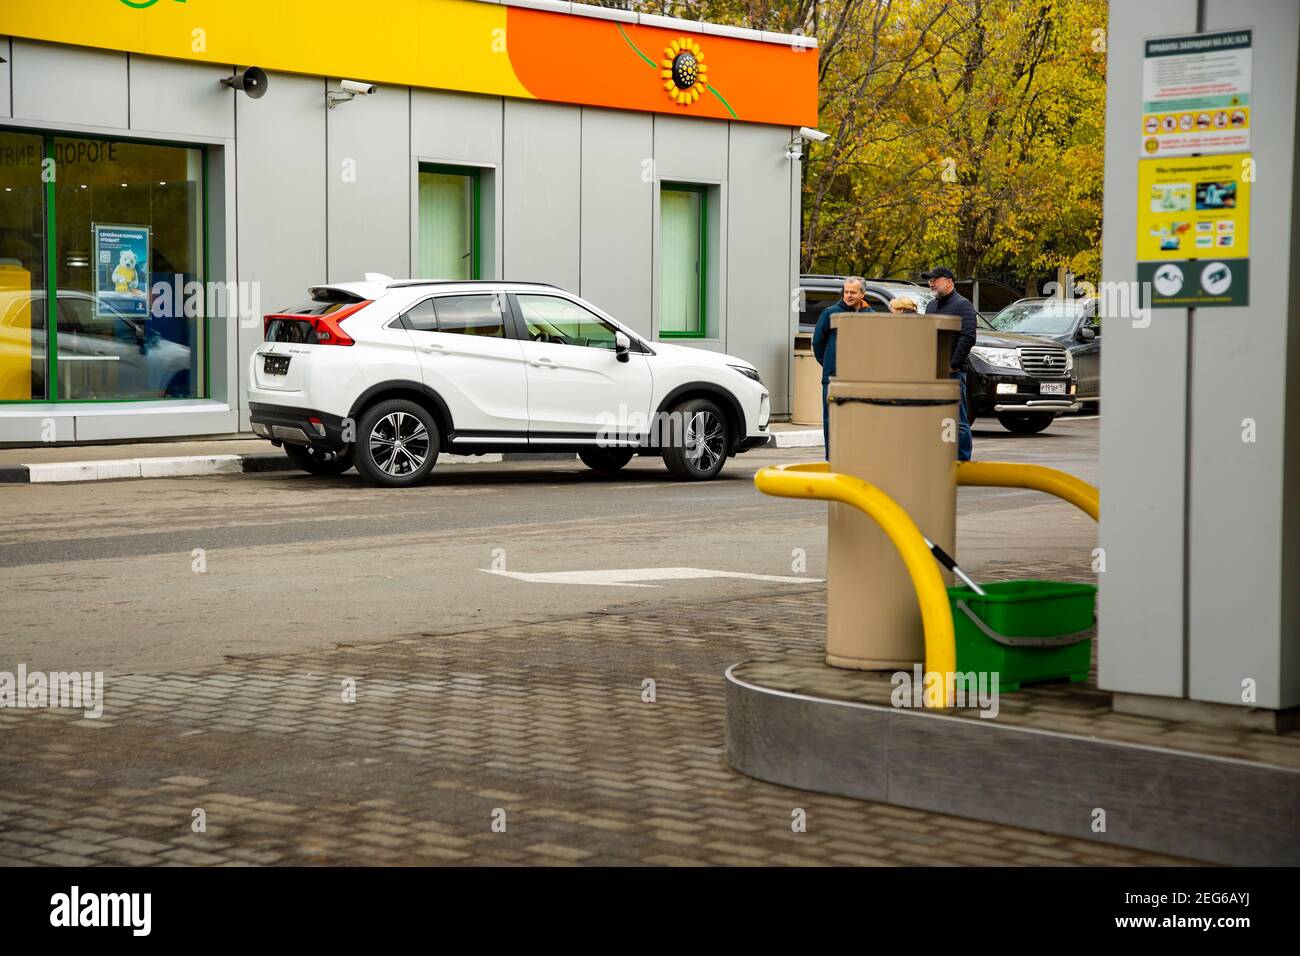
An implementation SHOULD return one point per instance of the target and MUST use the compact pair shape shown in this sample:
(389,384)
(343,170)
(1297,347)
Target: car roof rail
(410,283)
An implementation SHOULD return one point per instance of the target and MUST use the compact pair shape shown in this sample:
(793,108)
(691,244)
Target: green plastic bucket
(1025,631)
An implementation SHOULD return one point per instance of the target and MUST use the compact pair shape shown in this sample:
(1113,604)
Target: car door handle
(433,348)
(542,363)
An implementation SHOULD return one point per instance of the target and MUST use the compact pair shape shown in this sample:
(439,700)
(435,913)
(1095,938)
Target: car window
(421,317)
(75,315)
(918,295)
(815,303)
(28,307)
(1046,317)
(552,319)
(470,315)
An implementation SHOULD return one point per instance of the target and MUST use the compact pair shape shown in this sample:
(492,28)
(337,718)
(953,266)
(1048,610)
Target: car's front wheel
(699,441)
(605,461)
(1025,424)
(318,462)
(397,444)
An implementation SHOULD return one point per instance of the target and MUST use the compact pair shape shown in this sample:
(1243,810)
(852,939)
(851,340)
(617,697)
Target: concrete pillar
(893,424)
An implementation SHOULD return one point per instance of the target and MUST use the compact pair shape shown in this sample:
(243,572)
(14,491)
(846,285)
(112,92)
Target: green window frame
(428,265)
(51,242)
(699,328)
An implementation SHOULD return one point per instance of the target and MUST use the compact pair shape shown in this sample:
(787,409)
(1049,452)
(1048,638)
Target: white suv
(385,374)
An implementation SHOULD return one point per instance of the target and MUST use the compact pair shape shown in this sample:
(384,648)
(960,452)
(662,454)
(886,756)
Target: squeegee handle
(944,558)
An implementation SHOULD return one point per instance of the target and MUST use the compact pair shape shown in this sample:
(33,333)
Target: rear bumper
(282,424)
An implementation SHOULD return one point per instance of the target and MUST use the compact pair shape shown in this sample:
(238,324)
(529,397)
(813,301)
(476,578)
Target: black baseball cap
(938,272)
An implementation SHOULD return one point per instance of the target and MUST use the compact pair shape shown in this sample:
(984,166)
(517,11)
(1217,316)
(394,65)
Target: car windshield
(1039,318)
(918,294)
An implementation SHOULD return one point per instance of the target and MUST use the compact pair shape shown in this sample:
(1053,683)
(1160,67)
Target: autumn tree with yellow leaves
(967,132)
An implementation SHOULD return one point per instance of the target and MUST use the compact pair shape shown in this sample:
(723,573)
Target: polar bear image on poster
(121,270)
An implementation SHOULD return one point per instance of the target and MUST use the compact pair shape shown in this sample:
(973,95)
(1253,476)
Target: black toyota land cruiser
(1023,380)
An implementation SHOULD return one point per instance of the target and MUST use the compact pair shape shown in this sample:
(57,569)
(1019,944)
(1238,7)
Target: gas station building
(528,139)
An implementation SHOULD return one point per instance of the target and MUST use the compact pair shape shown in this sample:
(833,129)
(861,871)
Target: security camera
(816,135)
(350,89)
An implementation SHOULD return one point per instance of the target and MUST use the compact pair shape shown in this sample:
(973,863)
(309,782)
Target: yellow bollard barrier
(1005,474)
(816,480)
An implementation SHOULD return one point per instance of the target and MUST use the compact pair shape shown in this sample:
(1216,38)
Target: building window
(449,222)
(684,261)
(120,229)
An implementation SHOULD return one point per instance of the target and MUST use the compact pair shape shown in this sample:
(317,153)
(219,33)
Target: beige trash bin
(893,424)
(807,409)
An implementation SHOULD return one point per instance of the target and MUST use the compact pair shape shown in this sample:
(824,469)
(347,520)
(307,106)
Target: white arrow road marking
(627,577)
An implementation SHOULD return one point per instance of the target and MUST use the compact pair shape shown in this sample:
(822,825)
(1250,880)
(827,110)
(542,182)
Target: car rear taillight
(315,329)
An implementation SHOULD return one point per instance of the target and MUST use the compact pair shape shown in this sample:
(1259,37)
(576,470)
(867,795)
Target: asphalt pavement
(159,574)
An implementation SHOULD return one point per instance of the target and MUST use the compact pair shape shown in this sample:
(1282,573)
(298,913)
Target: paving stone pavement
(541,725)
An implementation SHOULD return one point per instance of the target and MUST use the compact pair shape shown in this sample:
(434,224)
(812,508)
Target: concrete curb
(190,466)
(117,469)
(806,438)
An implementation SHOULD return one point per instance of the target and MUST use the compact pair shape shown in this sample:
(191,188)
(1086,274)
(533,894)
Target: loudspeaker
(252,81)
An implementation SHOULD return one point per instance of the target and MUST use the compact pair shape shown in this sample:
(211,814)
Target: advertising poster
(121,270)
(1196,94)
(1193,242)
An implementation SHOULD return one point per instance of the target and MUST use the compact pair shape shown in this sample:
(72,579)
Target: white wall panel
(176,98)
(369,184)
(53,83)
(617,203)
(542,192)
(758,248)
(281,194)
(456,127)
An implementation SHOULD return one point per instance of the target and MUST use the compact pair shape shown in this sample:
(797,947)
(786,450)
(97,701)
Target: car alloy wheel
(700,442)
(705,440)
(399,444)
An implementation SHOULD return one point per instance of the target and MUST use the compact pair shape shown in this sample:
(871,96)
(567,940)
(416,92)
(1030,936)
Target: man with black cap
(948,301)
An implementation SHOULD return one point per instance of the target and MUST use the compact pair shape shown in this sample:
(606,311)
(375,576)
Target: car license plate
(275,364)
(1052,388)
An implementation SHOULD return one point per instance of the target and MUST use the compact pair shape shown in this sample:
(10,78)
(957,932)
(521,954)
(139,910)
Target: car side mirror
(622,346)
(1087,334)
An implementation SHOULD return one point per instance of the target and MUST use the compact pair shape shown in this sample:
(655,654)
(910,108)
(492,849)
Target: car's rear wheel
(1025,424)
(397,443)
(698,449)
(317,461)
(605,461)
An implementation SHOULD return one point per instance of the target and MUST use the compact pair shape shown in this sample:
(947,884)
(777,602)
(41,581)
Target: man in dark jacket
(949,301)
(852,299)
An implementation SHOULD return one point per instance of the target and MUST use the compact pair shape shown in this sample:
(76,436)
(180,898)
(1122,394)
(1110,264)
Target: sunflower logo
(683,71)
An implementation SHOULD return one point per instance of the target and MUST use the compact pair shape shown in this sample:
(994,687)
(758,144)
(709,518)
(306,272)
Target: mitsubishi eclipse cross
(385,375)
